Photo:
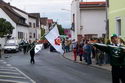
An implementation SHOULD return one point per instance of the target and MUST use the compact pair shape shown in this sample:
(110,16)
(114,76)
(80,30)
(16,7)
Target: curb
(85,64)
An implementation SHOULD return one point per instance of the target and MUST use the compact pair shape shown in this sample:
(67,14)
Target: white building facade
(88,19)
(26,26)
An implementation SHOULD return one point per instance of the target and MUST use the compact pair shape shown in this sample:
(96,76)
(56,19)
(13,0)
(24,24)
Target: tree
(61,30)
(5,28)
(42,33)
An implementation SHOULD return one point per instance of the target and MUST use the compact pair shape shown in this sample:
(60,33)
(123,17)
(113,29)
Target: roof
(17,18)
(100,4)
(36,16)
(32,16)
(43,21)
(19,9)
(50,21)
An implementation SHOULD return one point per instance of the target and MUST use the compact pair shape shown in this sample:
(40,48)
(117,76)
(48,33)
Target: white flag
(38,47)
(54,39)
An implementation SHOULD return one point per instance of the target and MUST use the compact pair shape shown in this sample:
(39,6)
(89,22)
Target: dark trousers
(118,74)
(88,59)
(80,57)
(32,59)
(24,50)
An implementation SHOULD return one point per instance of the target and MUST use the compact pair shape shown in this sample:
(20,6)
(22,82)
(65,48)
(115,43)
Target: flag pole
(44,34)
(50,30)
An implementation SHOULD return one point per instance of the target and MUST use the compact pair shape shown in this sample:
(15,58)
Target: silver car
(11,47)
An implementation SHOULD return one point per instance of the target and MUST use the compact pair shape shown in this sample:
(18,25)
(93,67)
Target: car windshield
(10,44)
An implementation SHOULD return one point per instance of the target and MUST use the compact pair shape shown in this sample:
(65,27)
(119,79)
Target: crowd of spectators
(86,51)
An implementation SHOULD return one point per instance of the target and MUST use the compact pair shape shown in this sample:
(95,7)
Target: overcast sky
(48,8)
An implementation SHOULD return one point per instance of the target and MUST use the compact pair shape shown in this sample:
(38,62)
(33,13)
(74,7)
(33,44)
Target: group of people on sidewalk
(86,52)
(112,53)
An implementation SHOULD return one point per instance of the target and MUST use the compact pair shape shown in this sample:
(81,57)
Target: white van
(10,46)
(11,41)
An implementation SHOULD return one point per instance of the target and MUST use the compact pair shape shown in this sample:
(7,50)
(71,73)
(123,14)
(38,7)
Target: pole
(51,28)
(0,50)
(107,21)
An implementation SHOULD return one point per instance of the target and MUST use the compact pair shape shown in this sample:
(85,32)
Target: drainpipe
(107,20)
(0,50)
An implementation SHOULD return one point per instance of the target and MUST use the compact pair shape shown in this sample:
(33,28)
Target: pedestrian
(74,47)
(75,53)
(73,43)
(99,55)
(117,58)
(87,52)
(24,48)
(32,54)
(80,53)
(63,44)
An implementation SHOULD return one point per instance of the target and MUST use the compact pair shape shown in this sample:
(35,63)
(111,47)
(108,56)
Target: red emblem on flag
(58,41)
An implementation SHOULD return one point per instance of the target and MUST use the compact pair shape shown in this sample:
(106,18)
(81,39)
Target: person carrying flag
(32,52)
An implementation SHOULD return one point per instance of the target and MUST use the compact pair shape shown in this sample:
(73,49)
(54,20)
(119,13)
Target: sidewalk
(69,56)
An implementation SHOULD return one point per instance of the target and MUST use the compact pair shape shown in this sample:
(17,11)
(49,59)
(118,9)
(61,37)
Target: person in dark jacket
(87,52)
(32,54)
(117,58)
(24,48)
(80,53)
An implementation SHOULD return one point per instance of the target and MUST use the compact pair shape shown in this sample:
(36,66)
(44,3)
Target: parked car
(21,43)
(11,47)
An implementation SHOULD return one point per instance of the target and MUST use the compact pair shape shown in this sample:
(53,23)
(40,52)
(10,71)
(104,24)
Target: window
(30,35)
(20,35)
(34,35)
(30,24)
(34,25)
(22,21)
(118,26)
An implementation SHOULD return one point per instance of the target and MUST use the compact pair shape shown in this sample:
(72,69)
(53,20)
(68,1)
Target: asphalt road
(52,68)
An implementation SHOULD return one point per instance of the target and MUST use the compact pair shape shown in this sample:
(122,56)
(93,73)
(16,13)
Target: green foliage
(61,30)
(42,33)
(5,27)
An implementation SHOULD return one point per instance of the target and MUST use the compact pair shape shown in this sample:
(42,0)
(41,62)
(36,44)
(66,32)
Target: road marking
(26,76)
(1,60)
(10,73)
(12,81)
(7,69)
(9,65)
(12,76)
(5,62)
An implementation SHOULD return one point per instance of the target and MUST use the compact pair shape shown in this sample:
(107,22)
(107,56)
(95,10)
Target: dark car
(21,43)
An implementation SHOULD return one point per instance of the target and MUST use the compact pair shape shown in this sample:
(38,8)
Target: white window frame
(118,26)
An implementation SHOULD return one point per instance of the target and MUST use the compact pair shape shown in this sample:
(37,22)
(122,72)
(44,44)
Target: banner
(38,47)
(54,38)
